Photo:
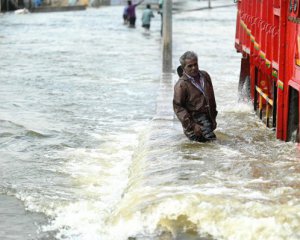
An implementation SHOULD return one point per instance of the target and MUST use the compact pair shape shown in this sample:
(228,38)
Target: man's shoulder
(204,73)
(181,81)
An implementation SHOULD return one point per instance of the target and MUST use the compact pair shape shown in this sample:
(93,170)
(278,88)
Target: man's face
(191,67)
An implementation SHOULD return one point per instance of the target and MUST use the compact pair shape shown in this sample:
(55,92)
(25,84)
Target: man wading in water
(194,100)
(131,12)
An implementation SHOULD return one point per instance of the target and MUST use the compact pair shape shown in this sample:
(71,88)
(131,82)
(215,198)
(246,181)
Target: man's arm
(212,101)
(179,102)
(139,3)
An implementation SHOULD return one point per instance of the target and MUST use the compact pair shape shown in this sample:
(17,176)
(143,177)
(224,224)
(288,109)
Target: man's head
(129,2)
(148,6)
(189,63)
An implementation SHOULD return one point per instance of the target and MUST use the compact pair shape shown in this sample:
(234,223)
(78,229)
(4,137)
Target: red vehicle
(268,37)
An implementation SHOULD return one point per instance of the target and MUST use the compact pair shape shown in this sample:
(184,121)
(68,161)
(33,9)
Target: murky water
(84,155)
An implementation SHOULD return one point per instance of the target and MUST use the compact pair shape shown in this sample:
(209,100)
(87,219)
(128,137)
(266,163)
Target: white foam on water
(102,212)
(99,177)
(217,216)
(236,107)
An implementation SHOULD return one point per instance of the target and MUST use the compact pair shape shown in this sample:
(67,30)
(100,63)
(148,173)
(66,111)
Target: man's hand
(214,126)
(197,130)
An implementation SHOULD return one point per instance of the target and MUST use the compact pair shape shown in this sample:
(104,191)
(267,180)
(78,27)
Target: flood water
(85,155)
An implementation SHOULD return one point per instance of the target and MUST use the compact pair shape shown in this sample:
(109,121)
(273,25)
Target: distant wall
(92,3)
(98,3)
(124,2)
(55,3)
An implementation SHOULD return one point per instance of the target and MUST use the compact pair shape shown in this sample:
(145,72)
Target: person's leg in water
(206,126)
(125,18)
(197,138)
(146,27)
(132,22)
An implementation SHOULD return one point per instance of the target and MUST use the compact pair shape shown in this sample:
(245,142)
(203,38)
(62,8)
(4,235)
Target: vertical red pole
(281,89)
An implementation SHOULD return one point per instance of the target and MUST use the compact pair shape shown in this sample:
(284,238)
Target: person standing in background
(160,4)
(160,12)
(131,13)
(125,15)
(146,17)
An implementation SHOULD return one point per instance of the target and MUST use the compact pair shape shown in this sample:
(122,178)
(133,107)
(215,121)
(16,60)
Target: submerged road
(90,149)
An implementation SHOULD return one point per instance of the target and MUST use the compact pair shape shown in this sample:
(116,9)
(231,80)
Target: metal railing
(269,104)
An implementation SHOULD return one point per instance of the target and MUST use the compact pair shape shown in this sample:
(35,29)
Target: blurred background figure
(37,3)
(160,12)
(160,4)
(125,15)
(131,12)
(146,17)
